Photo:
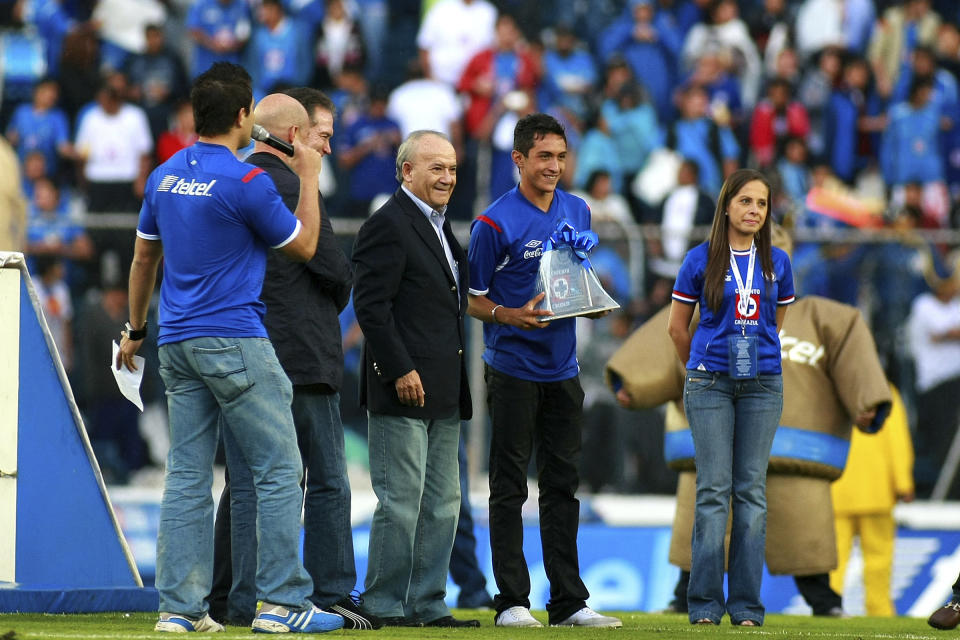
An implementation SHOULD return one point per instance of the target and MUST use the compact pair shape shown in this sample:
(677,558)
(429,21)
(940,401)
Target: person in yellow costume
(879,473)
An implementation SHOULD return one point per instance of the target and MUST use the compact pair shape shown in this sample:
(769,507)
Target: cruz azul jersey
(217,217)
(709,349)
(506,243)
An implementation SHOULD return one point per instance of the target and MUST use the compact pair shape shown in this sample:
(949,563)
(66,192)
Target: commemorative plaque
(572,287)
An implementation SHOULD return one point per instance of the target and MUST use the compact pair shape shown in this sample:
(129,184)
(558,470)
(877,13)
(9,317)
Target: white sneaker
(517,617)
(587,617)
(172,622)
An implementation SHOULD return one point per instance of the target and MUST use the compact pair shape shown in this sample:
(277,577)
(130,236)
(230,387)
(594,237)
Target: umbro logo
(534,249)
(176,184)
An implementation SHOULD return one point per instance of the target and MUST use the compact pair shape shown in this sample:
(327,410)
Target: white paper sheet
(128,381)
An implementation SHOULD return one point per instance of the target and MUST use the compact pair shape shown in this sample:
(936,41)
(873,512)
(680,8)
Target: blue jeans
(414,472)
(328,537)
(240,379)
(733,423)
(464,568)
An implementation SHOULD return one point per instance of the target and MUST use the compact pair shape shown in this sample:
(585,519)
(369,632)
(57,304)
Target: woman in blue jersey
(733,392)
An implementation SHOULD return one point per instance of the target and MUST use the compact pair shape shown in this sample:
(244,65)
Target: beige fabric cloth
(13,205)
(800,535)
(885,51)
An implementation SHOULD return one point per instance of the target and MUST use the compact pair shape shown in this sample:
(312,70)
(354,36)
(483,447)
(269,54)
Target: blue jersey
(709,348)
(281,56)
(561,73)
(217,217)
(506,243)
(42,131)
(693,142)
(375,173)
(53,23)
(52,226)
(212,17)
(910,151)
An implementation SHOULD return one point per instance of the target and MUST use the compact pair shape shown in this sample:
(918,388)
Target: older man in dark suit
(410,296)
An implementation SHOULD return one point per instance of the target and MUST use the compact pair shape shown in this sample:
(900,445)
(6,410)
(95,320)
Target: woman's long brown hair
(718,252)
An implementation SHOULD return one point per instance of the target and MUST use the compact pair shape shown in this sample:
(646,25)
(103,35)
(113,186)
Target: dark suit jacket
(303,299)
(411,312)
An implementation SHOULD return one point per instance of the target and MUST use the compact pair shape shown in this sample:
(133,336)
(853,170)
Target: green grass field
(109,626)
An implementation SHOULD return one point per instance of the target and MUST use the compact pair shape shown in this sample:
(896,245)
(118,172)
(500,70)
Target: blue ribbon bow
(582,242)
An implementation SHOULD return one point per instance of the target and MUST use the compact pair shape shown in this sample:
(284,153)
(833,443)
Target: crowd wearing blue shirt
(591,60)
(873,100)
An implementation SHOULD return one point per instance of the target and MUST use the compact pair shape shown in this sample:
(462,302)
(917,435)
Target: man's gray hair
(407,147)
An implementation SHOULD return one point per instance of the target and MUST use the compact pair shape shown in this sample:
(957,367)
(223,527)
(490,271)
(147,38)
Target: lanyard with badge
(742,349)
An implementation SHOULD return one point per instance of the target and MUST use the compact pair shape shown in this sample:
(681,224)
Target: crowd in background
(851,106)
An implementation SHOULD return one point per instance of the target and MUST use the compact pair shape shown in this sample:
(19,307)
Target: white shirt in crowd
(679,213)
(452,32)
(113,144)
(424,104)
(935,362)
(123,22)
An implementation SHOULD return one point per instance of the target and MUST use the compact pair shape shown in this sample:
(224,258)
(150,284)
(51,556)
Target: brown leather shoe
(946,617)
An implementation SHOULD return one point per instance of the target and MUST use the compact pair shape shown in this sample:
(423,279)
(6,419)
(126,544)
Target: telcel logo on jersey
(176,184)
(535,250)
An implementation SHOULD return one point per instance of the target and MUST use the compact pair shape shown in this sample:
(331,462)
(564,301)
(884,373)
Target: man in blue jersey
(212,219)
(302,303)
(219,30)
(279,51)
(533,389)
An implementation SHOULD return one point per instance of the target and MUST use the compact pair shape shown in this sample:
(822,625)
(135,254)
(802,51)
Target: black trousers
(817,592)
(222,559)
(937,413)
(114,246)
(543,418)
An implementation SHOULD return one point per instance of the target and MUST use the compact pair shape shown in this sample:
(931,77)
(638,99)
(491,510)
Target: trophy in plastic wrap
(571,285)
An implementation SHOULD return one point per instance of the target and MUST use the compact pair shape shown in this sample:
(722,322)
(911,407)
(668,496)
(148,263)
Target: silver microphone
(262,135)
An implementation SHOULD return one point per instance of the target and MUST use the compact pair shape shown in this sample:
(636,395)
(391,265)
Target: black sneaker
(354,615)
(400,621)
(452,623)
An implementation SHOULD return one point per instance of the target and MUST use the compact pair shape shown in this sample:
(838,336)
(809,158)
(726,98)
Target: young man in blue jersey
(212,219)
(533,389)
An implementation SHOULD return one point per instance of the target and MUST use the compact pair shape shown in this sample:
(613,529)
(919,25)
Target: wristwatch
(136,334)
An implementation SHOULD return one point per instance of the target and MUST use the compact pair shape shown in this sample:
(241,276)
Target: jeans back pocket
(223,370)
